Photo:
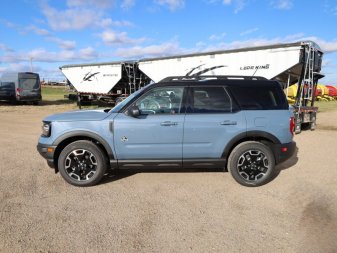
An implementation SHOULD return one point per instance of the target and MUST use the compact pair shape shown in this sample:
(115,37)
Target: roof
(223,80)
(280,45)
(299,43)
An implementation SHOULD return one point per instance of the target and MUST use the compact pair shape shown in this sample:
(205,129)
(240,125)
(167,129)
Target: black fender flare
(83,133)
(249,135)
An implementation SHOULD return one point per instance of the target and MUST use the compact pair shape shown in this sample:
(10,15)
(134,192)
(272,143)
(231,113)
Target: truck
(20,87)
(288,63)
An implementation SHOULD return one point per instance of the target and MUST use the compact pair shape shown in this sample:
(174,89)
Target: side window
(210,100)
(260,98)
(161,100)
(7,85)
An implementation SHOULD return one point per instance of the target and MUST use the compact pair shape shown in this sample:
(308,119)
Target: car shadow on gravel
(115,175)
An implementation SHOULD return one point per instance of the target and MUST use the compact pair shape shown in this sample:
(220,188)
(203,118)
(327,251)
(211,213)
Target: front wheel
(252,163)
(82,163)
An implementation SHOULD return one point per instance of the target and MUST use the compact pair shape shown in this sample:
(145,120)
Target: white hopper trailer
(291,63)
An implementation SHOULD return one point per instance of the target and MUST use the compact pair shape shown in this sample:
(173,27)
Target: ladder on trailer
(308,83)
(136,80)
(305,113)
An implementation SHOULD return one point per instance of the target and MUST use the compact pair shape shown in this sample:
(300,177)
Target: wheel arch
(260,136)
(62,141)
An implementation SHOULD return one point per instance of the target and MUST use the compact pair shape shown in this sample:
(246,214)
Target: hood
(79,115)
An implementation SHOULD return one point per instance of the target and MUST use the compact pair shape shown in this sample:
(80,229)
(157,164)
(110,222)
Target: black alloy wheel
(252,163)
(82,163)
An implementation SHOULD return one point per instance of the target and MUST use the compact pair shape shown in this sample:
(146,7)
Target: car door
(155,136)
(211,122)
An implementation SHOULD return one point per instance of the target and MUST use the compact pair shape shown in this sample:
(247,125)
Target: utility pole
(31,64)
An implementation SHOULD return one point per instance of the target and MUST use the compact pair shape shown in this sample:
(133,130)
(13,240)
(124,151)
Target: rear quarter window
(259,97)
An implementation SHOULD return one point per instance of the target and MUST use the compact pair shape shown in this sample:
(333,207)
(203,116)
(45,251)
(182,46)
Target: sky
(42,35)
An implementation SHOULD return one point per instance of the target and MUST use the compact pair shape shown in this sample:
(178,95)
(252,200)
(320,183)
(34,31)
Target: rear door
(29,85)
(211,121)
(157,134)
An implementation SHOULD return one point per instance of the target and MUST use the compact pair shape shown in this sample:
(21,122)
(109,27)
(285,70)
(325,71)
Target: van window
(28,83)
(7,84)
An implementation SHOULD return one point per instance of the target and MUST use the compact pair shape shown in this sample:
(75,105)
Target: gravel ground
(188,211)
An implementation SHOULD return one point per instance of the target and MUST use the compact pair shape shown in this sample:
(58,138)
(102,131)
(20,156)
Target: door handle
(228,123)
(169,123)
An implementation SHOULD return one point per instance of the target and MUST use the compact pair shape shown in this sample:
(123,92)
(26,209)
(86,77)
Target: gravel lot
(188,211)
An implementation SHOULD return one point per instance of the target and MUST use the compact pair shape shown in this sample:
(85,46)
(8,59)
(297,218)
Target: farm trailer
(290,63)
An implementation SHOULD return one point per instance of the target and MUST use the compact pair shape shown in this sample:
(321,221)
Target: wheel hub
(252,165)
(80,164)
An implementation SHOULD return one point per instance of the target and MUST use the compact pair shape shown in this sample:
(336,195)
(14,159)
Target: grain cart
(291,63)
(105,82)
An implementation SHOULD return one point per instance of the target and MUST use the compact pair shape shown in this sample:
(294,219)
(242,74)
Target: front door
(155,137)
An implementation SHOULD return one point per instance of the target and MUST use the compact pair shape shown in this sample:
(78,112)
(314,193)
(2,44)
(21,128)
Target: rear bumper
(47,152)
(29,98)
(284,151)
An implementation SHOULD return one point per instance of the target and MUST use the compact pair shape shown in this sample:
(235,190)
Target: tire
(82,163)
(306,126)
(252,164)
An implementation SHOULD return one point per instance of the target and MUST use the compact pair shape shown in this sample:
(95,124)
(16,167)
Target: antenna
(255,72)
(207,70)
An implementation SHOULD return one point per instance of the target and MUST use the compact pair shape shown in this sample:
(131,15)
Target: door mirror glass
(133,111)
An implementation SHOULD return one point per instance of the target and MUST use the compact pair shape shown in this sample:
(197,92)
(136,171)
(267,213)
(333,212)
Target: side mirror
(134,111)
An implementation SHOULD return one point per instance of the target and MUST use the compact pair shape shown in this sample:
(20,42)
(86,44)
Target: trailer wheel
(252,164)
(312,126)
(82,163)
(298,128)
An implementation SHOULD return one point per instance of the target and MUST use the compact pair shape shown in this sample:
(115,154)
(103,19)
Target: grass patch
(324,106)
(52,93)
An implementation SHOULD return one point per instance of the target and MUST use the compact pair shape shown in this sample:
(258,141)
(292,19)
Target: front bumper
(284,151)
(47,152)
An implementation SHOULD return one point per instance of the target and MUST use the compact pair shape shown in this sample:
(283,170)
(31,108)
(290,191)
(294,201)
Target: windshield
(125,101)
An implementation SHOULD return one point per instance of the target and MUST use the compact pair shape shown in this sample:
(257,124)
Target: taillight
(292,125)
(18,90)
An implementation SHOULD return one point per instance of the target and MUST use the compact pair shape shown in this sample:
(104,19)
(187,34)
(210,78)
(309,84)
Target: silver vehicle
(20,86)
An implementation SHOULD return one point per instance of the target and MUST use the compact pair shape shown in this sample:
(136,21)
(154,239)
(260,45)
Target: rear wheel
(252,163)
(82,163)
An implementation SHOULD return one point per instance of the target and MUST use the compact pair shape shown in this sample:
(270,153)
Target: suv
(242,124)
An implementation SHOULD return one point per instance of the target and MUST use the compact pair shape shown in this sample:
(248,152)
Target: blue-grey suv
(237,123)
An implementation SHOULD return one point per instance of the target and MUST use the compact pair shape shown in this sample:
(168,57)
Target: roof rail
(210,77)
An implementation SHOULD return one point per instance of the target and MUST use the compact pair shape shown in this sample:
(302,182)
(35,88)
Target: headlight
(46,129)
